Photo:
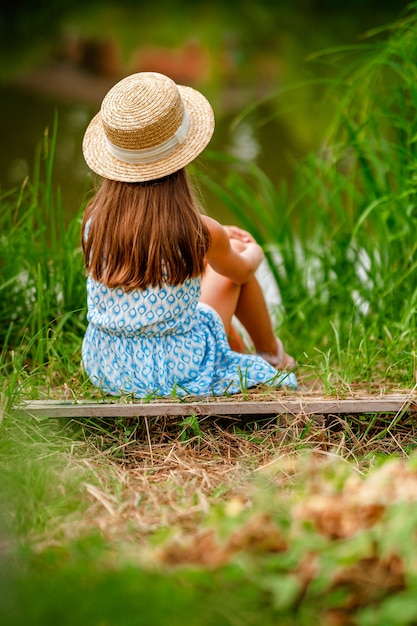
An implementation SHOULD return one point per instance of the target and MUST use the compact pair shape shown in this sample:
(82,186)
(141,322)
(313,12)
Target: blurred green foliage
(24,23)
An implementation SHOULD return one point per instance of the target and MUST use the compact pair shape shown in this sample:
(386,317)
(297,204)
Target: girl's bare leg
(236,340)
(245,301)
(248,303)
(223,295)
(252,312)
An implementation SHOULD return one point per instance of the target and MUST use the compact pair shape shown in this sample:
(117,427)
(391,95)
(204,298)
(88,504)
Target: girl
(164,281)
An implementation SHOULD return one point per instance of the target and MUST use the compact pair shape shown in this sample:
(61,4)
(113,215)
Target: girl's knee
(237,245)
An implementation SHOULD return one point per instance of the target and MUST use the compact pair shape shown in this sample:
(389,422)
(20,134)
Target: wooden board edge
(292,406)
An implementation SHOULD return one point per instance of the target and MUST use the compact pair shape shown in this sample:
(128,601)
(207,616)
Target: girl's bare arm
(238,266)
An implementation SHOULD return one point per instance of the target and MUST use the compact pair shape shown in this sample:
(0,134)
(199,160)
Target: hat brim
(200,130)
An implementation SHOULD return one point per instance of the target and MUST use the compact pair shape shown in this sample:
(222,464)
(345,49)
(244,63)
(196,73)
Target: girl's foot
(280,360)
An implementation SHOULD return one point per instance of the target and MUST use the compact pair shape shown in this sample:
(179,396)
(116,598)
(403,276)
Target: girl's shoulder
(213,226)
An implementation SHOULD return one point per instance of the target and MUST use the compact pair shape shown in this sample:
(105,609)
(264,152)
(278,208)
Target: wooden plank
(293,405)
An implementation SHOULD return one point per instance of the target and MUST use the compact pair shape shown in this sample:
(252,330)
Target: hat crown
(147,128)
(142,111)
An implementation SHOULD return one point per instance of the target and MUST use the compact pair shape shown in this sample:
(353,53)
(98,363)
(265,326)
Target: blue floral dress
(164,342)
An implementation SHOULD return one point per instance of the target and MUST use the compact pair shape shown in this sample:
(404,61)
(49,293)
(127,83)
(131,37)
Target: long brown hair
(144,234)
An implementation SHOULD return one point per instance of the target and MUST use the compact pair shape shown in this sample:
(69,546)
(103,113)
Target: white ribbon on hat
(148,155)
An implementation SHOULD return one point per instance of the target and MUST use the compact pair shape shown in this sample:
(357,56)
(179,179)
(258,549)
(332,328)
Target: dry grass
(165,476)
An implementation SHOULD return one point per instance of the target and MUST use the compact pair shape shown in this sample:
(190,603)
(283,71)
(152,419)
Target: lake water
(275,135)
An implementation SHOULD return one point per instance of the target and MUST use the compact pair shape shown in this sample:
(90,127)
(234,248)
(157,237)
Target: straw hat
(148,127)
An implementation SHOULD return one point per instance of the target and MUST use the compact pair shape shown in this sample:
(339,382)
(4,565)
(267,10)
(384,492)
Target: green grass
(42,292)
(340,239)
